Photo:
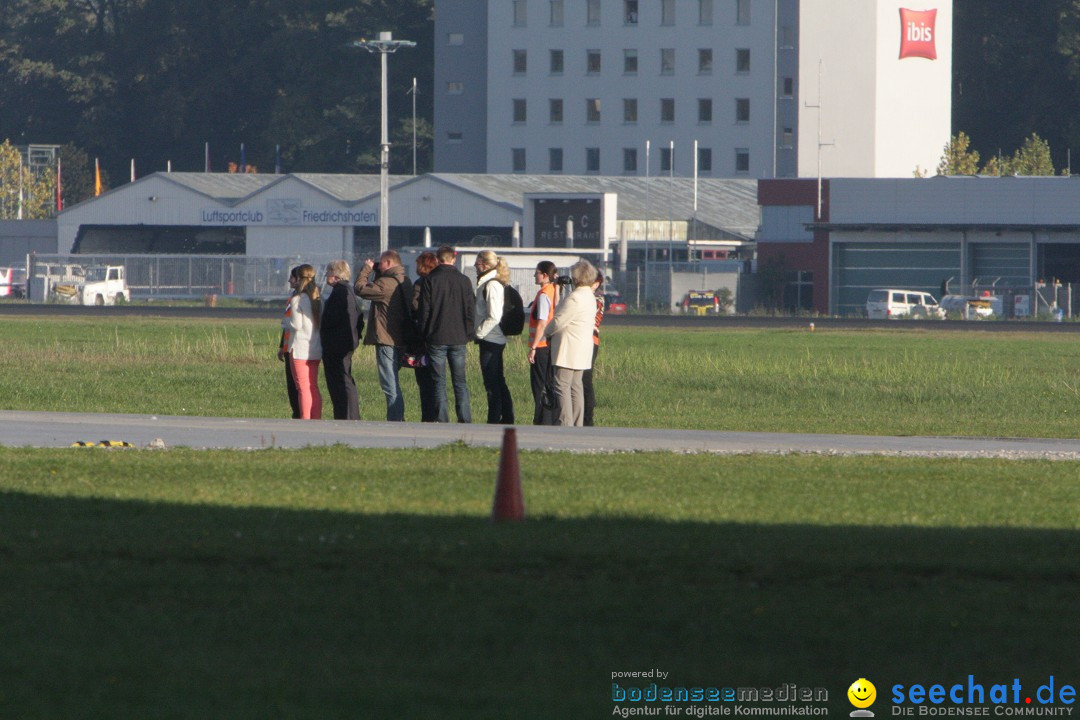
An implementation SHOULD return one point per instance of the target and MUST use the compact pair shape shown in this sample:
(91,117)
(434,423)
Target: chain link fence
(174,276)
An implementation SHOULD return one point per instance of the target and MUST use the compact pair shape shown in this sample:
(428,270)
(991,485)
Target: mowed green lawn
(333,582)
(900,381)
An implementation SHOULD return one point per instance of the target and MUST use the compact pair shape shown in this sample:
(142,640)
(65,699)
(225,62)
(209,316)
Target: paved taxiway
(52,429)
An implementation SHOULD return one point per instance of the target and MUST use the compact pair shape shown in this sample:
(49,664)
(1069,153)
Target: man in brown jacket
(390,325)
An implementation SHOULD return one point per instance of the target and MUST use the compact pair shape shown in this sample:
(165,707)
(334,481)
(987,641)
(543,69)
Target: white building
(766,88)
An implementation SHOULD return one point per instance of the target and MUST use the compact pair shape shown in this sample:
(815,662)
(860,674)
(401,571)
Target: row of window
(556,113)
(594,61)
(629,160)
(630,12)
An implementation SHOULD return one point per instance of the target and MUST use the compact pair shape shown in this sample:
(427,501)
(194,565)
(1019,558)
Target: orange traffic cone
(508,505)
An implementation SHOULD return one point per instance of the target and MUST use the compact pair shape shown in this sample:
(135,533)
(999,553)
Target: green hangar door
(859,267)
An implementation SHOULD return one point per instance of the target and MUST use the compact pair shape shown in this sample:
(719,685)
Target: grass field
(905,382)
(338,583)
(341,583)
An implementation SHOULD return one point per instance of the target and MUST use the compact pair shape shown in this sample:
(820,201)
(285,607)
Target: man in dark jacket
(444,316)
(337,328)
(389,327)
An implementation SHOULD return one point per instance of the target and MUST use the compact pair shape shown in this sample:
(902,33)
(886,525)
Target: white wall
(882,115)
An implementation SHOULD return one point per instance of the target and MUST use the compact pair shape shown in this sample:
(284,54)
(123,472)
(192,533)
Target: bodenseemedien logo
(862,695)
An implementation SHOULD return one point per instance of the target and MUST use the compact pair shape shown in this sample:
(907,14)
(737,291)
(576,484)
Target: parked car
(614,303)
(889,304)
(701,302)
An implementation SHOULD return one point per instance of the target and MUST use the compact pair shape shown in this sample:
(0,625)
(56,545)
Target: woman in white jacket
(570,332)
(492,277)
(304,345)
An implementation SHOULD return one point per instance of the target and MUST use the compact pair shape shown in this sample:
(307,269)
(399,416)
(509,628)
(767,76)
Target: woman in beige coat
(570,333)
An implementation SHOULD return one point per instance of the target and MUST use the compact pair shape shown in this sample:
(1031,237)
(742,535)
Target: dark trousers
(337,370)
(500,404)
(586,384)
(425,384)
(290,386)
(545,404)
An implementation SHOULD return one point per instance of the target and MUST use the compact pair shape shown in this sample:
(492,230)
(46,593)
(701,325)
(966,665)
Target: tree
(1032,158)
(23,194)
(958,157)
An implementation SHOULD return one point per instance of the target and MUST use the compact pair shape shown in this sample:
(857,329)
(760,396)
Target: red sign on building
(917,33)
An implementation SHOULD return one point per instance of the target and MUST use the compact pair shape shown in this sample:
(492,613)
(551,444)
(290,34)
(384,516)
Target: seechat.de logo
(917,34)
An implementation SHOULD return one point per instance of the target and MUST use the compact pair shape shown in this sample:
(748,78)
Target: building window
(629,160)
(592,62)
(667,110)
(742,160)
(556,62)
(704,12)
(704,160)
(665,159)
(592,160)
(629,62)
(742,12)
(517,159)
(629,110)
(787,138)
(704,61)
(742,110)
(556,110)
(519,110)
(667,12)
(592,12)
(555,160)
(454,137)
(704,110)
(742,60)
(520,13)
(667,61)
(455,38)
(556,13)
(455,88)
(788,89)
(630,12)
(521,62)
(592,110)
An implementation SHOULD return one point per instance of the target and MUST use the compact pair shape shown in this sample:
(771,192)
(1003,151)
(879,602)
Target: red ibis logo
(917,33)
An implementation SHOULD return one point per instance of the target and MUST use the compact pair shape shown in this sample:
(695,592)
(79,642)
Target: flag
(59,186)
(206,163)
(132,169)
(97,178)
(243,159)
(277,159)
(20,215)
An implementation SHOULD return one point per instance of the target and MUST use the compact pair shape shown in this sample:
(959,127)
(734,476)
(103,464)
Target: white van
(890,304)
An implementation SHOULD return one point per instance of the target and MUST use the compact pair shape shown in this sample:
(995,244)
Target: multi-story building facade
(721,88)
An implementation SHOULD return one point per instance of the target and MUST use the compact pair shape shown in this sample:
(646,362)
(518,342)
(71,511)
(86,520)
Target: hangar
(321,215)
(1009,236)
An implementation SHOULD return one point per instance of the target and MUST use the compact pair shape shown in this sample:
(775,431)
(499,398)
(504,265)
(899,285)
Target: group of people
(428,325)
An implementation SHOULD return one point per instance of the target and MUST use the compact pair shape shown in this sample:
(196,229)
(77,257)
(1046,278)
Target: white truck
(101,285)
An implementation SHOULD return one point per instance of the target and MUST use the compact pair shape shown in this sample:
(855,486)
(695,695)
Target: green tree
(1033,157)
(958,158)
(23,194)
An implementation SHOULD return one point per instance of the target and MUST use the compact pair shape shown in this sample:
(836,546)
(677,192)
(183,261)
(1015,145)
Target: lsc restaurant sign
(553,217)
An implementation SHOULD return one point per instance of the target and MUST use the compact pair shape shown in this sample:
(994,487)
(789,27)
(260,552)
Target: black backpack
(513,316)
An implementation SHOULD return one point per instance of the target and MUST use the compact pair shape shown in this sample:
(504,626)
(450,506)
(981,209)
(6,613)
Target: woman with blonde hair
(305,345)
(492,277)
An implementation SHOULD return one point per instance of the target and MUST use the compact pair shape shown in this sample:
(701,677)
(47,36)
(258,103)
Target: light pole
(384,46)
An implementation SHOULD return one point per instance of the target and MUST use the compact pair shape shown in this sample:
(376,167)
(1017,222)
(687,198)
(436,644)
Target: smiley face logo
(862,693)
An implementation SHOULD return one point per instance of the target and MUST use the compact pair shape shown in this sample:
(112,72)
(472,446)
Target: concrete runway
(56,430)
